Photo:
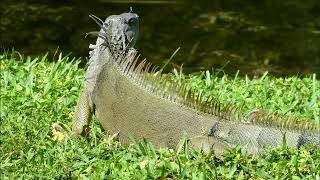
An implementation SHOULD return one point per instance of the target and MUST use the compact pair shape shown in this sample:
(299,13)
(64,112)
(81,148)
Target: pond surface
(280,37)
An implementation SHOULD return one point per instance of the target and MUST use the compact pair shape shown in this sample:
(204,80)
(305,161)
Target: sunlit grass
(36,93)
(295,97)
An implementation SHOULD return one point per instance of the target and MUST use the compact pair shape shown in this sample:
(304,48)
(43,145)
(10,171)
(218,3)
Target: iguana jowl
(127,99)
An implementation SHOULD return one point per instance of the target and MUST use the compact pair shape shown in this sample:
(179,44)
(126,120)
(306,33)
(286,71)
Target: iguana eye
(131,20)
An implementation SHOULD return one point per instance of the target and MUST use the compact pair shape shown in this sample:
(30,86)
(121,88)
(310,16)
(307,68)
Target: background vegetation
(282,37)
(36,93)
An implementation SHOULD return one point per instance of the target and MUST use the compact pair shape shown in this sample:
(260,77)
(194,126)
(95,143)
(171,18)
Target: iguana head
(119,32)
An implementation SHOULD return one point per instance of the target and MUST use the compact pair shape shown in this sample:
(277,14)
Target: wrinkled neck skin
(99,57)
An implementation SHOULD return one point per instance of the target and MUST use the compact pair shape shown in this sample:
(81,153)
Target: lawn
(37,92)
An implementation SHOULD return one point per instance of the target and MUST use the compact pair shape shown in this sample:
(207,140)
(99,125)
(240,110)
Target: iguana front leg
(83,114)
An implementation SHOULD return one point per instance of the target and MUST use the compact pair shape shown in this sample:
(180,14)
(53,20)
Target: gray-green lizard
(128,100)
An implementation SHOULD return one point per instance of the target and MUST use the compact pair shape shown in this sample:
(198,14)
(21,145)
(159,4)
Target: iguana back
(128,103)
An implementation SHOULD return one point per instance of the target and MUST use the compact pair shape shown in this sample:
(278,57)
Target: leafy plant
(36,93)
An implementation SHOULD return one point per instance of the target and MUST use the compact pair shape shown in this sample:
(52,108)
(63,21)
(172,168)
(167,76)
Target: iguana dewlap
(130,102)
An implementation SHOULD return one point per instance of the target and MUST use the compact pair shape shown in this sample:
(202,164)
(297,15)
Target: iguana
(128,99)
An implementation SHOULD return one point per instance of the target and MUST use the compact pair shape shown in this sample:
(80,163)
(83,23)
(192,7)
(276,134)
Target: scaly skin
(126,103)
(124,106)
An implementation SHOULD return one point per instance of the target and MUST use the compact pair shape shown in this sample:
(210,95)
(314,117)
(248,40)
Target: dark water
(280,37)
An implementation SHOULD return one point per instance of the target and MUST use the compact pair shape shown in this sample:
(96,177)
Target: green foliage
(294,96)
(35,93)
(39,26)
(279,36)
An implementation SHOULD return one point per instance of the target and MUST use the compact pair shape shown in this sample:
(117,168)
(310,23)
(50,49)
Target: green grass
(36,93)
(297,97)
